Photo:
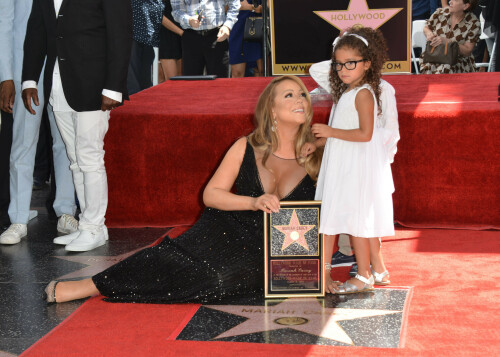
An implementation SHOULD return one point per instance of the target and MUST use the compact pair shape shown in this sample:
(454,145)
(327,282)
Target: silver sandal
(379,278)
(50,292)
(348,288)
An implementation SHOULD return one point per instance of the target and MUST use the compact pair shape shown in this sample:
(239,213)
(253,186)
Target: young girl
(355,181)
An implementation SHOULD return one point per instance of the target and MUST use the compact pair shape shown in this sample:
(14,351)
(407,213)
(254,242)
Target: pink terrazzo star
(294,232)
(358,13)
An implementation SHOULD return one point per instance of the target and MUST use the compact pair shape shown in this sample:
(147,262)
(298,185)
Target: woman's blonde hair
(264,138)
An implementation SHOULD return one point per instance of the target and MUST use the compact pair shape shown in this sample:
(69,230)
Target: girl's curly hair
(375,52)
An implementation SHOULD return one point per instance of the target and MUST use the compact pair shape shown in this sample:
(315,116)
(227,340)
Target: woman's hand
(438,40)
(330,285)
(245,5)
(307,149)
(267,203)
(321,131)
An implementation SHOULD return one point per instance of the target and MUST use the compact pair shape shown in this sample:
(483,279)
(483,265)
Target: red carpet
(453,311)
(163,146)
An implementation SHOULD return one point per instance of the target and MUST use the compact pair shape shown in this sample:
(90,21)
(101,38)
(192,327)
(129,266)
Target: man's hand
(195,21)
(108,103)
(223,33)
(7,94)
(30,94)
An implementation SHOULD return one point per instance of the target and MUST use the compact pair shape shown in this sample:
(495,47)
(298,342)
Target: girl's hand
(307,149)
(330,285)
(321,131)
(267,203)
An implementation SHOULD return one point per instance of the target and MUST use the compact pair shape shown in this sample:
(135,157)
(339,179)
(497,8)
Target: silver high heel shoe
(379,278)
(50,292)
(348,288)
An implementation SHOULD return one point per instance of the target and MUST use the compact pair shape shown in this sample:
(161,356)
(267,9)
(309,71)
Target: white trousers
(25,132)
(83,133)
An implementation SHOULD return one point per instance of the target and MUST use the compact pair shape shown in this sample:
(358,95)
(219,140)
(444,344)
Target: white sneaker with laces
(14,233)
(86,241)
(68,238)
(67,224)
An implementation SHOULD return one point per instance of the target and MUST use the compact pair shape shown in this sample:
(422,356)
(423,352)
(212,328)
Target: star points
(358,12)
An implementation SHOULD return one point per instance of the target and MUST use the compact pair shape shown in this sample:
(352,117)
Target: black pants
(140,67)
(200,50)
(5,146)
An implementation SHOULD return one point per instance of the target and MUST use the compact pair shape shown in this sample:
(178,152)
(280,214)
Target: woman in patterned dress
(454,23)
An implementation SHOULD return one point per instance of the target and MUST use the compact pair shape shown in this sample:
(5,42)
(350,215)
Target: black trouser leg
(217,57)
(193,62)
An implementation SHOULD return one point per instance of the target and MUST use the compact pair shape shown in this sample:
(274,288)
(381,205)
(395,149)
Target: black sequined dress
(220,257)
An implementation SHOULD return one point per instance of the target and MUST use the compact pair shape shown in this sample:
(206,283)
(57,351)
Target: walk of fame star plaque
(293,249)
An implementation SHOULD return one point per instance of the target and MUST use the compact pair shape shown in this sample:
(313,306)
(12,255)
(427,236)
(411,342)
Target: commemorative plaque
(293,249)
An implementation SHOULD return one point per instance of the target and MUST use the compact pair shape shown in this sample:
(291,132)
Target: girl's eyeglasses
(349,65)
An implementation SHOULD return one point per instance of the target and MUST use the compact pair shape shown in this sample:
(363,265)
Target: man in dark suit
(86,45)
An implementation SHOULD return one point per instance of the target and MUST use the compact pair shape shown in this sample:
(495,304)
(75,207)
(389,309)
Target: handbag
(445,53)
(254,29)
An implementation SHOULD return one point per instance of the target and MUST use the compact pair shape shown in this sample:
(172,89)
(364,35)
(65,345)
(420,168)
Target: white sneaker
(14,233)
(67,224)
(68,238)
(86,241)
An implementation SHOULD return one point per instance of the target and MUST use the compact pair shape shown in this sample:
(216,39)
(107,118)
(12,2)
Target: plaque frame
(307,258)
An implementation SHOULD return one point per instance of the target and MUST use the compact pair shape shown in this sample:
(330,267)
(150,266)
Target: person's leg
(179,66)
(259,71)
(5,146)
(376,258)
(238,70)
(64,202)
(42,169)
(171,68)
(345,244)
(134,69)
(193,62)
(74,290)
(146,66)
(329,242)
(216,57)
(22,157)
(90,129)
(362,249)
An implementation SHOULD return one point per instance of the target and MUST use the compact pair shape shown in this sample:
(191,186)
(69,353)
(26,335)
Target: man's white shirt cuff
(28,84)
(112,94)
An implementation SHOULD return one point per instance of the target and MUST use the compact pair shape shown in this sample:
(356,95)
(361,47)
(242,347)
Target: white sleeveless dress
(355,181)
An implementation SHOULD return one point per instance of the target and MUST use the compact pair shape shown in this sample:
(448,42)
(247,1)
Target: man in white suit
(14,16)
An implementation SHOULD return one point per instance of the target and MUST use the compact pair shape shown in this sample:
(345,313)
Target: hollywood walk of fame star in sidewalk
(305,315)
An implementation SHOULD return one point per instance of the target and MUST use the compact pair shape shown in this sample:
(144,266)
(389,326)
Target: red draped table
(163,146)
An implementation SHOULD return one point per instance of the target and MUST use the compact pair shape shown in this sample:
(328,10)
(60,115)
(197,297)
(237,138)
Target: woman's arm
(364,105)
(169,25)
(218,193)
(444,3)
(466,48)
(429,35)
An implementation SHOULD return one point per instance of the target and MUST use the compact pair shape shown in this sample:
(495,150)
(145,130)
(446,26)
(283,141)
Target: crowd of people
(51,59)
